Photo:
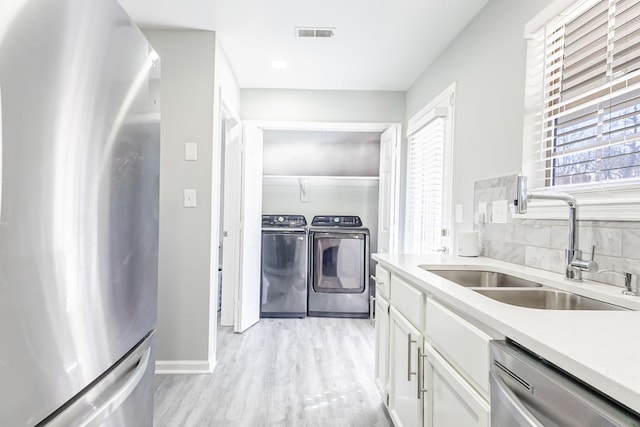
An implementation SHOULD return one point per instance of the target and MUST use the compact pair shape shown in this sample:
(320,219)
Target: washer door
(339,262)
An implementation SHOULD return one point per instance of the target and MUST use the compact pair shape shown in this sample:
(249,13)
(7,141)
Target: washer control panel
(284,221)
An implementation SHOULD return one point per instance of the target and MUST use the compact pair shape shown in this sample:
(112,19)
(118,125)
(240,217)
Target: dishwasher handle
(517,410)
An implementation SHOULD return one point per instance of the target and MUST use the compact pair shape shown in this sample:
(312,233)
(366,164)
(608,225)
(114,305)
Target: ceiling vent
(317,33)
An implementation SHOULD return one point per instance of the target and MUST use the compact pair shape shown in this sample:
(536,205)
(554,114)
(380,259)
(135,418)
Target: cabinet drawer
(409,301)
(464,346)
(383,281)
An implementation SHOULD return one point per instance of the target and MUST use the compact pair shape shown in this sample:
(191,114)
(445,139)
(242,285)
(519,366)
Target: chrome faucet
(574,265)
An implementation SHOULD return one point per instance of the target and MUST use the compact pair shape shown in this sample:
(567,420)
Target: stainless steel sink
(484,279)
(547,299)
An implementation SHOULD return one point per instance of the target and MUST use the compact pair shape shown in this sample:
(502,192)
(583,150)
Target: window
(582,106)
(428,185)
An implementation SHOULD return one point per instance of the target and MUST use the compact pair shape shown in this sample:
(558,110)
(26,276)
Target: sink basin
(547,299)
(484,279)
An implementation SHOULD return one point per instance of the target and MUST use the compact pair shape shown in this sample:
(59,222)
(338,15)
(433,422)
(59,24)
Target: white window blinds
(583,96)
(426,176)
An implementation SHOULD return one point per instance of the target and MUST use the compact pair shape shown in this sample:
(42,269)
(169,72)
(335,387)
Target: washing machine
(338,267)
(283,287)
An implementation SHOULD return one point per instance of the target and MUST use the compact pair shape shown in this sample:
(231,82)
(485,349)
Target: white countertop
(602,348)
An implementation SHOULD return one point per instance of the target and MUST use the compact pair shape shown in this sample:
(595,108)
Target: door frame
(321,126)
(356,127)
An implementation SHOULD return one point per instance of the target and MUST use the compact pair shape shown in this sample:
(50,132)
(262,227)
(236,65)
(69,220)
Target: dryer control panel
(336,221)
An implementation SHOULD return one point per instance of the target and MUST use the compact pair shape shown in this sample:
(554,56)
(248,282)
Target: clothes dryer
(338,267)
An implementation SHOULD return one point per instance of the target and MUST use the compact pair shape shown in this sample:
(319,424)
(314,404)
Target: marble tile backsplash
(541,243)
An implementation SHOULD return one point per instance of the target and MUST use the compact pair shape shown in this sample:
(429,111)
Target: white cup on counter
(469,243)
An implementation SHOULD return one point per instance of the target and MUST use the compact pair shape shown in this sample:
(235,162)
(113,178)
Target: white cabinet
(382,346)
(450,400)
(405,397)
(462,344)
(432,362)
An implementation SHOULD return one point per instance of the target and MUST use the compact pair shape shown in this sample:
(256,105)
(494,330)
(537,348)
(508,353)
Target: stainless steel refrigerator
(79,167)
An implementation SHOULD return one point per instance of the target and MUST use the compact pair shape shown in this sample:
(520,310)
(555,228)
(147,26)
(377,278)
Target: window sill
(610,206)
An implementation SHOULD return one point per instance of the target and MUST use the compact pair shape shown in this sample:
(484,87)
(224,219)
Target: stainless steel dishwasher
(528,391)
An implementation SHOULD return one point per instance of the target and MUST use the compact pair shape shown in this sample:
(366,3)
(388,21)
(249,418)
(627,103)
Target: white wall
(487,60)
(322,105)
(192,74)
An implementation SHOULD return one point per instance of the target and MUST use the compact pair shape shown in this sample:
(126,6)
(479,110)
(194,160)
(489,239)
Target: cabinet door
(382,347)
(449,399)
(405,398)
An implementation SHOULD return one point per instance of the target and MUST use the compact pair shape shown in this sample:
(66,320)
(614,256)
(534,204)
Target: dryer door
(339,262)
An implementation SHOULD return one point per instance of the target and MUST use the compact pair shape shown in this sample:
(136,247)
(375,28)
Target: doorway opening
(281,191)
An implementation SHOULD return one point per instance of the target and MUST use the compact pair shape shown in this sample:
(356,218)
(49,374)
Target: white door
(387,196)
(427,223)
(232,225)
(248,289)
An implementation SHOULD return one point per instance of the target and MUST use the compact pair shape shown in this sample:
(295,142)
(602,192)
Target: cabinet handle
(372,301)
(409,342)
(421,389)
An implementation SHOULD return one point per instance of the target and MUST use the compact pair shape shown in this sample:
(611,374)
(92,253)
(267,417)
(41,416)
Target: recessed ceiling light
(278,65)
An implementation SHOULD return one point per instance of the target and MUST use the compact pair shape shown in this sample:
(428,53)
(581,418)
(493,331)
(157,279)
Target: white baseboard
(184,367)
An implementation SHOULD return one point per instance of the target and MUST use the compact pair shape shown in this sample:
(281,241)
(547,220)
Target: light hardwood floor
(281,372)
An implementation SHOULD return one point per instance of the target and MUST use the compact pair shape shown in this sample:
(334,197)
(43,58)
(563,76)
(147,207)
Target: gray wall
(185,233)
(487,61)
(322,105)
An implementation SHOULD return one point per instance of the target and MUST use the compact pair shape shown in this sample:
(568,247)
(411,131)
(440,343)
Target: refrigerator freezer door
(79,225)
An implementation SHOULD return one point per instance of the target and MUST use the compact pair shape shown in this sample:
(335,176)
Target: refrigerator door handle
(103,405)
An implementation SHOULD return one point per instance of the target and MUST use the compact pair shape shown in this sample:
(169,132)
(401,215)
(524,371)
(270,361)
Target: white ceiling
(378,44)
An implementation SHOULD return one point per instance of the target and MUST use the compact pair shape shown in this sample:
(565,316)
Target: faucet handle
(591,266)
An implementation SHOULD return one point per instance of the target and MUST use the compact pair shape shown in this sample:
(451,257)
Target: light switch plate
(191,151)
(500,209)
(190,198)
